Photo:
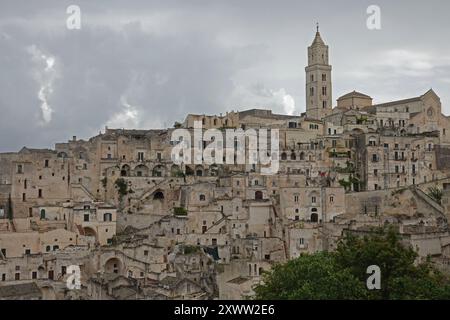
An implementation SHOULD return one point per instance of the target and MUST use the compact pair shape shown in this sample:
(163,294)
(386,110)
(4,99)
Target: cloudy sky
(146,64)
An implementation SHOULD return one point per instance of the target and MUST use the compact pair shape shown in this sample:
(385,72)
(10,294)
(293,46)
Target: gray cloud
(149,63)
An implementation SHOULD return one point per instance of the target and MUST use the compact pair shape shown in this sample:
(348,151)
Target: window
(140,156)
(24,197)
(375,186)
(145,252)
(375,172)
(19,168)
(324,104)
(324,77)
(17,276)
(86,217)
(47,248)
(312,78)
(301,241)
(3,252)
(46,164)
(331,199)
(296,198)
(374,158)
(40,193)
(202,197)
(313,199)
(27,251)
(34,275)
(324,91)
(63,270)
(311,91)
(42,215)
(3,276)
(107,217)
(50,275)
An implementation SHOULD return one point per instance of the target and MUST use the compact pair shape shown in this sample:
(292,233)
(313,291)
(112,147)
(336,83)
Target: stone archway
(90,232)
(113,265)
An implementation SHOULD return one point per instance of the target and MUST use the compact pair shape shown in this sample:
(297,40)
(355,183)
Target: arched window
(293,157)
(283,156)
(302,156)
(42,214)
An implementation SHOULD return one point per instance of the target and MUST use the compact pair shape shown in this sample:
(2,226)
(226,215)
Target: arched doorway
(125,171)
(159,195)
(141,171)
(199,171)
(89,232)
(314,217)
(158,171)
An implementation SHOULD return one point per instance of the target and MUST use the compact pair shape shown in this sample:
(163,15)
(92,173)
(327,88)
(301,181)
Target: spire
(318,38)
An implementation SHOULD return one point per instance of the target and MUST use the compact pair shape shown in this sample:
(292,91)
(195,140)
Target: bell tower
(318,80)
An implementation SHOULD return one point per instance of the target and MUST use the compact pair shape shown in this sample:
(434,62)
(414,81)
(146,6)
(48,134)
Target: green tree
(316,276)
(343,274)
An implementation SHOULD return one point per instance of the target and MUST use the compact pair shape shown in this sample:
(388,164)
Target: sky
(146,64)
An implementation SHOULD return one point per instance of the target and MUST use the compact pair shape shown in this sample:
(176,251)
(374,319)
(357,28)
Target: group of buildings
(140,226)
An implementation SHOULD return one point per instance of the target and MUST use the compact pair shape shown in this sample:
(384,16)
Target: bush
(180,211)
(122,187)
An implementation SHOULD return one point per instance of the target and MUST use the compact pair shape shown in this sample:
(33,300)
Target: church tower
(318,80)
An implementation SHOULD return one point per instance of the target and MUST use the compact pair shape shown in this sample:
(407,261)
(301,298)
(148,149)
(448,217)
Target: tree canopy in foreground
(343,274)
